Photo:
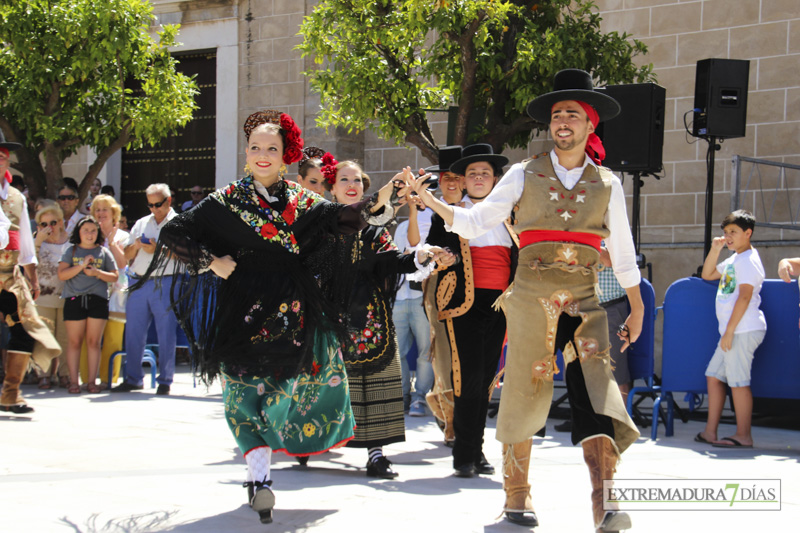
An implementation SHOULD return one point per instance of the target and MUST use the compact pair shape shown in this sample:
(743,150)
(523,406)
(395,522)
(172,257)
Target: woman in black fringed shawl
(371,357)
(258,319)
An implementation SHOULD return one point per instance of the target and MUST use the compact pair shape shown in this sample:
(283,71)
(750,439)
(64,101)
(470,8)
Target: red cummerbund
(13,240)
(531,237)
(491,266)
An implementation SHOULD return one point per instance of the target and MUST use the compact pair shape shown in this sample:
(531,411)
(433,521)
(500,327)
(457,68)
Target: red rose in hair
(293,151)
(268,231)
(329,168)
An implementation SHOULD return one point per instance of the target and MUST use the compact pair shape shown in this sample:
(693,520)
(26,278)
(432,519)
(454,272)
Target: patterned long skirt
(377,402)
(302,416)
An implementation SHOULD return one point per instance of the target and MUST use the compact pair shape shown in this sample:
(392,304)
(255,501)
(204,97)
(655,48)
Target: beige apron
(554,278)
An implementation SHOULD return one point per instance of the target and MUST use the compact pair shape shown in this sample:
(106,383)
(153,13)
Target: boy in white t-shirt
(741,325)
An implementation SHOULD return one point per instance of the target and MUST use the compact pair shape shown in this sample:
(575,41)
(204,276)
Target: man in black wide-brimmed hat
(29,335)
(565,204)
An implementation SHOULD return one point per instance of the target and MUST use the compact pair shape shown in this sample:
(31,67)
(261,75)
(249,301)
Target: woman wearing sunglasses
(50,241)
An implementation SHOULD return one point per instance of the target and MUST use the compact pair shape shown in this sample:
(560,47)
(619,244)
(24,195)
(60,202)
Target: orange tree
(385,64)
(79,73)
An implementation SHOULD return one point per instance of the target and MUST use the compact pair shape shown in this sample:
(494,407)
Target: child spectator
(87,268)
(741,324)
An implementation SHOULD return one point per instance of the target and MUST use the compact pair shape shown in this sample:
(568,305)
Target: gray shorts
(733,367)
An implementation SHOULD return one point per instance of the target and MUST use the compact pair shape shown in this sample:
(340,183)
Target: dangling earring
(281,172)
(247,170)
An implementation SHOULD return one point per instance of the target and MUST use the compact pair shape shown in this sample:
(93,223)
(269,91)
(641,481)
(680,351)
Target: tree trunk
(52,168)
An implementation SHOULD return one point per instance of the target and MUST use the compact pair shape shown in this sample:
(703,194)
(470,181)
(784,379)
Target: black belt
(415,285)
(615,301)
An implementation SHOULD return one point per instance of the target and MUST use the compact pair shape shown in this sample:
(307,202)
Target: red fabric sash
(530,237)
(13,240)
(491,266)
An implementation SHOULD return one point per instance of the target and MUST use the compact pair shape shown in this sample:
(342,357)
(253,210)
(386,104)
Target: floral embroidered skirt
(305,415)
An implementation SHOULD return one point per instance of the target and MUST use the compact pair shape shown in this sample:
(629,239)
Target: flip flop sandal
(63,382)
(93,388)
(733,443)
(700,438)
(44,384)
(74,388)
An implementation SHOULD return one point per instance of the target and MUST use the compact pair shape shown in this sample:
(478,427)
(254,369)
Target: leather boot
(516,461)
(441,405)
(11,400)
(448,404)
(601,457)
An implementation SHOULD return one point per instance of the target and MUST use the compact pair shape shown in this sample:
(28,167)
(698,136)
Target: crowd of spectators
(90,279)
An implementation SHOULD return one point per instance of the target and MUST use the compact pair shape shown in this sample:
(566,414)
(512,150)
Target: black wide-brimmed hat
(10,146)
(573,84)
(478,152)
(447,156)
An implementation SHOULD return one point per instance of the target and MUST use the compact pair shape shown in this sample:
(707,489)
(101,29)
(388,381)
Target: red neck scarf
(594,146)
(5,152)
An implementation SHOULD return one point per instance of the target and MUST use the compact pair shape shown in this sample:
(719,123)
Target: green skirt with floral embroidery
(306,415)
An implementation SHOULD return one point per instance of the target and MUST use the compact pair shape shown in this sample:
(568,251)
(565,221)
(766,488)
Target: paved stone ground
(138,463)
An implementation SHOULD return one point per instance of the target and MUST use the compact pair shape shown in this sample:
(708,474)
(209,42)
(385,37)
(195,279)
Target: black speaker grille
(634,140)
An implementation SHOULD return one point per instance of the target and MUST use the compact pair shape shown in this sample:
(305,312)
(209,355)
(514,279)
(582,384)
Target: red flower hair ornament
(292,139)
(329,168)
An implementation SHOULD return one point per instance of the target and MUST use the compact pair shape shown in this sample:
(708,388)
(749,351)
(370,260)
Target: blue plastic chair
(691,335)
(641,354)
(690,338)
(148,358)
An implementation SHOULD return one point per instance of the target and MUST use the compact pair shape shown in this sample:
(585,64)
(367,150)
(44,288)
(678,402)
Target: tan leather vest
(547,205)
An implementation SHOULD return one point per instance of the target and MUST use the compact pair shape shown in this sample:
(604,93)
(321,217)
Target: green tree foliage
(385,64)
(85,73)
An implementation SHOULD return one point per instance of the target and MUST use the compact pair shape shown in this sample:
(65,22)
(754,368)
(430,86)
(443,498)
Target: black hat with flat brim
(10,146)
(475,153)
(573,84)
(447,156)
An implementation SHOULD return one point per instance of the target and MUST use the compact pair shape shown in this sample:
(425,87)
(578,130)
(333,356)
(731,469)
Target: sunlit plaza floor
(138,462)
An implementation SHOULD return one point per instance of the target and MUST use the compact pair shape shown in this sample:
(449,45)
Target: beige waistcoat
(554,278)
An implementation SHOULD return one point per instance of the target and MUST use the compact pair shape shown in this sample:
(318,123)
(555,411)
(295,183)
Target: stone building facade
(258,67)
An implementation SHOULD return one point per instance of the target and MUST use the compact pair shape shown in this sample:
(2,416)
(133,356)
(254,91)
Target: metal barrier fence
(769,190)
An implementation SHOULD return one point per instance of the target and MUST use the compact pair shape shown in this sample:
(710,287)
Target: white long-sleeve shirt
(5,224)
(405,292)
(497,206)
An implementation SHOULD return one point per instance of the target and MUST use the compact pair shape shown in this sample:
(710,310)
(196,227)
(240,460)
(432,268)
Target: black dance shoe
(381,468)
(464,471)
(261,499)
(526,518)
(484,467)
(19,409)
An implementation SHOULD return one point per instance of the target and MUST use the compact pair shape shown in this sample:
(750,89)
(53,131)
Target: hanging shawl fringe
(262,319)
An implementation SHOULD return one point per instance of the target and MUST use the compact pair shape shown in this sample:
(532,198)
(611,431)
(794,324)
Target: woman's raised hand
(222,266)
